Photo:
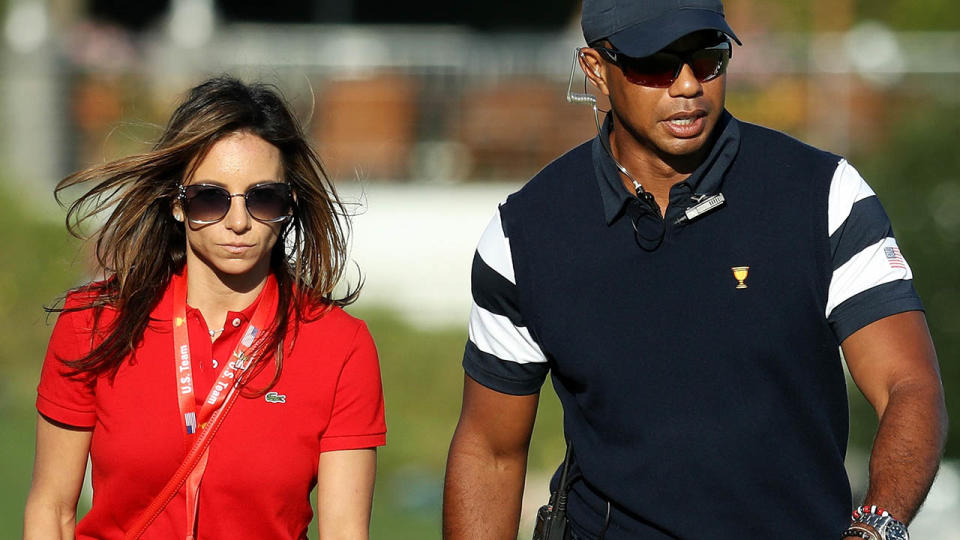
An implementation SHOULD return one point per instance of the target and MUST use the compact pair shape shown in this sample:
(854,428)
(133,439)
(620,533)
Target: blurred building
(424,91)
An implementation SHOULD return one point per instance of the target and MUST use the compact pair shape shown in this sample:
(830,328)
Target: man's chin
(685,155)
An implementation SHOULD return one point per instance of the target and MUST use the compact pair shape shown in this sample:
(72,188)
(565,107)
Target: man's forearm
(907,449)
(482,494)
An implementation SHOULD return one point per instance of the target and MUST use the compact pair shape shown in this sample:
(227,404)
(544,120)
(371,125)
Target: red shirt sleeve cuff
(352,442)
(64,415)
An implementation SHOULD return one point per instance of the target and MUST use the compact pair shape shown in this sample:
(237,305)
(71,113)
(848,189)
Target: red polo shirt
(263,461)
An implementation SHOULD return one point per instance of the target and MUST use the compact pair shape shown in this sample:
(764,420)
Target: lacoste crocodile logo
(273,397)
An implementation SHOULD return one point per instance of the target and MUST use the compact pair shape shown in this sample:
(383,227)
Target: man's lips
(685,124)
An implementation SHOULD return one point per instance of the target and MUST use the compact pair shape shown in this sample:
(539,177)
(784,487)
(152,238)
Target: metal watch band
(887,527)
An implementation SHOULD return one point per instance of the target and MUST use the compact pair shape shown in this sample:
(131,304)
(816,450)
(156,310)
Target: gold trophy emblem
(740,274)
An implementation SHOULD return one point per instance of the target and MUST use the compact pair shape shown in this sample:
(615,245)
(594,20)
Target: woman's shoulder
(88,293)
(87,296)
(88,307)
(330,317)
(84,310)
(330,325)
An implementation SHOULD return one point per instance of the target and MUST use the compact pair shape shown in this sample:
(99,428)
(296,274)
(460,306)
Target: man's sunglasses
(206,203)
(661,69)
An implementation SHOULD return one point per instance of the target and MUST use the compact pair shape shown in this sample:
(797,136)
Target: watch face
(895,531)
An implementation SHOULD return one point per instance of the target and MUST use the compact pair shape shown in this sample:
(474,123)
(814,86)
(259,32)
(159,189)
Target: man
(689,281)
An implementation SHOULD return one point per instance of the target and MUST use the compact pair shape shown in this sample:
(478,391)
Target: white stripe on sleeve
(846,188)
(495,334)
(494,249)
(865,270)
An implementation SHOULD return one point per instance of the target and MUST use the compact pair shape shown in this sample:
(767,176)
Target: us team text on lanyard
(191,419)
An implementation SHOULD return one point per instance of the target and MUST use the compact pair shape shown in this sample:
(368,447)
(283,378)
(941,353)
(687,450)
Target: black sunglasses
(206,203)
(661,69)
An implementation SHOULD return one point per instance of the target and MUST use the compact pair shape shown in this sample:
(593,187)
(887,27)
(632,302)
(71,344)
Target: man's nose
(686,84)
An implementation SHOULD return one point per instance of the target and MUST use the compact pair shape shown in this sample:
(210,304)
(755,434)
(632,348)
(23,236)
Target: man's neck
(656,171)
(215,293)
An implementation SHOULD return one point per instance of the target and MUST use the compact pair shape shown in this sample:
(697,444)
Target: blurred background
(428,114)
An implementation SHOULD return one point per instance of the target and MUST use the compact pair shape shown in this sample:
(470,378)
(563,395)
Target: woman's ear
(177,211)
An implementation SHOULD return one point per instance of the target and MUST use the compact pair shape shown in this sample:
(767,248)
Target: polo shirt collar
(706,179)
(164,309)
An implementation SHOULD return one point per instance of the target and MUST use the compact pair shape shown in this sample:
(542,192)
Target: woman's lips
(236,249)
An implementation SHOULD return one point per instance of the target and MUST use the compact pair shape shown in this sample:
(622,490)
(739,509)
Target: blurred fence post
(32,123)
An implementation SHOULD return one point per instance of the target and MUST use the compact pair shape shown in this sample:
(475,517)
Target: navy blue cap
(642,27)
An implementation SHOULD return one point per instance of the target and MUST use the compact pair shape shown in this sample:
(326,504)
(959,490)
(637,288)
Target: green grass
(37,265)
(423,383)
(16,447)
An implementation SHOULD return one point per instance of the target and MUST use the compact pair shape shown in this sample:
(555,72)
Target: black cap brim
(648,37)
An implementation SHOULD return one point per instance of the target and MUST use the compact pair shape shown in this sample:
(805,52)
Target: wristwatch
(887,527)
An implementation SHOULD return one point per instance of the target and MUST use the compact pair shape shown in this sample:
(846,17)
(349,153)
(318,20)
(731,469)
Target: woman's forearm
(58,469)
(44,520)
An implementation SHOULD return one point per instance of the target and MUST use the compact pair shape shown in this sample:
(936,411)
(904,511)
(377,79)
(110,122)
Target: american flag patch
(894,258)
(248,338)
(191,420)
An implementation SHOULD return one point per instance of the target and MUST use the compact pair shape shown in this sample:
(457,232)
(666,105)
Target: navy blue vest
(699,409)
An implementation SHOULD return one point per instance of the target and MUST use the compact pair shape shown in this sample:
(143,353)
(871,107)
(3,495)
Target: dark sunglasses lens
(709,64)
(206,203)
(659,70)
(269,202)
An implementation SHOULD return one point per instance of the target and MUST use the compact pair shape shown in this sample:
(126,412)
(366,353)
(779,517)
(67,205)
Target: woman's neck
(215,293)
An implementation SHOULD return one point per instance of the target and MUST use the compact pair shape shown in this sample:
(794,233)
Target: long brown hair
(140,245)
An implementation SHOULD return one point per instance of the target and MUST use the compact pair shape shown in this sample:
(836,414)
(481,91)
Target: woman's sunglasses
(206,203)
(661,69)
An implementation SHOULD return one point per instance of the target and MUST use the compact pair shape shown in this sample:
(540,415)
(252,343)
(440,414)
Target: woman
(221,251)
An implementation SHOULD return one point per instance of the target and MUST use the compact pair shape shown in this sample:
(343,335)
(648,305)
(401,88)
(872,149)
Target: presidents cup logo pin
(740,274)
(273,397)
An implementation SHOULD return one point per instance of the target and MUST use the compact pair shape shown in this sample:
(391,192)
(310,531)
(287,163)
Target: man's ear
(594,68)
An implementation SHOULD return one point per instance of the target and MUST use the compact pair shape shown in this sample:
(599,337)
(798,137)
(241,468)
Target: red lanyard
(193,420)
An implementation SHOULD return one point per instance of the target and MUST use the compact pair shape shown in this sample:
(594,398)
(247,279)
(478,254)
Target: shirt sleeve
(357,420)
(871,279)
(67,399)
(500,354)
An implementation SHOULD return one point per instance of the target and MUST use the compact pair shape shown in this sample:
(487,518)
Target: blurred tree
(130,15)
(917,176)
(284,11)
(793,16)
(912,14)
(489,15)
(761,15)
